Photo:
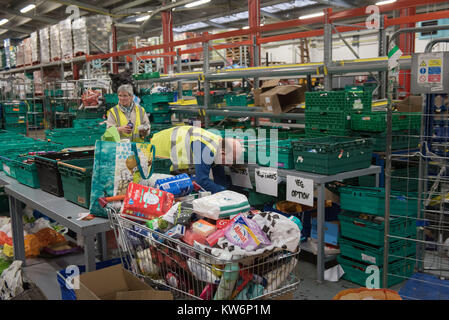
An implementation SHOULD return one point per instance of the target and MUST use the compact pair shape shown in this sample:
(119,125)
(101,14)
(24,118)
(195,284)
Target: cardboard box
(266,85)
(116,283)
(410,104)
(282,99)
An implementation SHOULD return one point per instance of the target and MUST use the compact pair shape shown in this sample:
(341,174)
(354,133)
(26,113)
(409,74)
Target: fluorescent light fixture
(231,18)
(192,26)
(287,6)
(143,18)
(312,15)
(245,27)
(196,3)
(3,21)
(28,8)
(380,3)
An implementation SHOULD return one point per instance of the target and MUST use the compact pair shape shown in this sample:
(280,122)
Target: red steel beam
(416,18)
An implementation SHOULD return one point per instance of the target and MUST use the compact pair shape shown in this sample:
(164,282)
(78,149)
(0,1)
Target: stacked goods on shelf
(38,83)
(55,43)
(35,47)
(361,240)
(95,28)
(330,112)
(20,54)
(15,116)
(10,52)
(332,155)
(44,43)
(157,105)
(71,137)
(65,33)
(27,58)
(2,58)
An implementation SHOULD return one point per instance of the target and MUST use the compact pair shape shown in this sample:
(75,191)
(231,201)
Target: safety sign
(430,68)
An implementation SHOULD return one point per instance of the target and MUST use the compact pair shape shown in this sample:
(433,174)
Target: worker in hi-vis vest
(128,117)
(190,147)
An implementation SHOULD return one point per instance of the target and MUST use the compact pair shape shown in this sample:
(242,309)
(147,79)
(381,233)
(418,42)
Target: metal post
(206,80)
(17,229)
(382,38)
(320,232)
(135,65)
(327,54)
(179,70)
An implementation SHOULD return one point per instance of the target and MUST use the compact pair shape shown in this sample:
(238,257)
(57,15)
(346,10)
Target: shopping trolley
(191,273)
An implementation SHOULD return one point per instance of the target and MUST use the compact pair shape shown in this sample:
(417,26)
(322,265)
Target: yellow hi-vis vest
(175,143)
(121,120)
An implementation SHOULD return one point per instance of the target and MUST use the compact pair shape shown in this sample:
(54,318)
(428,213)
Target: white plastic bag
(221,205)
(11,283)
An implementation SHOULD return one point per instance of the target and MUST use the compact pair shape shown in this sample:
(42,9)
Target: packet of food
(246,234)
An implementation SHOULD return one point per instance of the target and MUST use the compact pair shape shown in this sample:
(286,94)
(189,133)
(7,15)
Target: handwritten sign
(240,177)
(300,190)
(267,181)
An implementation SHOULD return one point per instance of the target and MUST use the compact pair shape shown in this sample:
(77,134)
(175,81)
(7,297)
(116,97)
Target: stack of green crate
(329,112)
(35,113)
(89,123)
(15,116)
(147,75)
(157,105)
(111,100)
(362,227)
(238,99)
(75,137)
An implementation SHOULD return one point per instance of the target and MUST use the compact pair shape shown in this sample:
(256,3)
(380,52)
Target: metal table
(319,181)
(58,209)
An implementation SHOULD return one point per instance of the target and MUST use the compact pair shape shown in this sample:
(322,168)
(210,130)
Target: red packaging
(146,203)
(222,223)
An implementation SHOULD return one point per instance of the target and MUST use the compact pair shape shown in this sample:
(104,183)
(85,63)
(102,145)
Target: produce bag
(146,203)
(221,205)
(115,166)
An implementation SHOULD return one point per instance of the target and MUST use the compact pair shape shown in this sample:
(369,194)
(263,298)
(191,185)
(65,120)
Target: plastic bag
(180,185)
(221,205)
(202,271)
(11,283)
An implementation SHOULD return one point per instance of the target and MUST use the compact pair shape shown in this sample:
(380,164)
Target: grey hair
(126,88)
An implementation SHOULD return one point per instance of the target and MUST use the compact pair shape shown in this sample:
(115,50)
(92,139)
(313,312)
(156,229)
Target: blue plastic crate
(331,231)
(69,294)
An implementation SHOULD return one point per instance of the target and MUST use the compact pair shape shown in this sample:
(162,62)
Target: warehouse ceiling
(217,14)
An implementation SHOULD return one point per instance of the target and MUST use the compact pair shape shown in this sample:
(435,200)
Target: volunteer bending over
(191,148)
(129,118)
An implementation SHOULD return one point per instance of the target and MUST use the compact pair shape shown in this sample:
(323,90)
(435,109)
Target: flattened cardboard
(282,99)
(266,85)
(410,104)
(144,295)
(104,284)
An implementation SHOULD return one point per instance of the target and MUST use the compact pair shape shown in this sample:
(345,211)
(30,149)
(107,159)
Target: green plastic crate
(7,162)
(216,99)
(238,100)
(16,128)
(161,165)
(19,107)
(187,93)
(76,177)
(398,271)
(111,98)
(377,121)
(283,148)
(26,172)
(353,99)
(15,118)
(363,252)
(331,155)
(372,201)
(316,133)
(161,117)
(404,180)
(400,140)
(89,114)
(161,107)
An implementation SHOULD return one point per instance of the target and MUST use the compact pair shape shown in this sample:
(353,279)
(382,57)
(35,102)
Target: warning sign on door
(430,68)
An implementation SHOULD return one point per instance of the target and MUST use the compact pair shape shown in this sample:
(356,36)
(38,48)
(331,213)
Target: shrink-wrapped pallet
(44,37)
(55,43)
(35,47)
(97,29)
(38,85)
(65,34)
(27,59)
(10,53)
(20,55)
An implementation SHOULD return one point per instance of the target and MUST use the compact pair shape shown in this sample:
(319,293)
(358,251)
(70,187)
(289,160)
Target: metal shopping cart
(191,273)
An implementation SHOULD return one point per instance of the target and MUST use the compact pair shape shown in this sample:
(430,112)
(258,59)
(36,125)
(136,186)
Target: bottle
(130,124)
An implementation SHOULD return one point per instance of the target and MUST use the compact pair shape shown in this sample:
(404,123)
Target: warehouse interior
(336,114)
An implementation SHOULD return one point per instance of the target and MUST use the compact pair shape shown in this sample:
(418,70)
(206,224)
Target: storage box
(410,104)
(282,99)
(116,283)
(267,85)
(331,231)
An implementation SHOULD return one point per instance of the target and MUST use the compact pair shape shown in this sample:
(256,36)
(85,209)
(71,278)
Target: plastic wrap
(221,205)
(35,47)
(55,43)
(27,60)
(97,29)
(44,40)
(65,33)
(38,85)
(20,55)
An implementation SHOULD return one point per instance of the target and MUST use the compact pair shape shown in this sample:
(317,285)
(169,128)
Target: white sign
(240,177)
(300,190)
(97,83)
(267,181)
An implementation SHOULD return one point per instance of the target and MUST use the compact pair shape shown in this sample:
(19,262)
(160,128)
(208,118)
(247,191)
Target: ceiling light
(3,21)
(245,27)
(28,8)
(196,3)
(380,3)
(142,18)
(312,15)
